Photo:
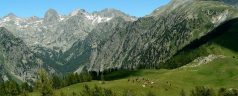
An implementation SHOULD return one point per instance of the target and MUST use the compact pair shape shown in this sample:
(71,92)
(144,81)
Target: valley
(178,47)
(215,66)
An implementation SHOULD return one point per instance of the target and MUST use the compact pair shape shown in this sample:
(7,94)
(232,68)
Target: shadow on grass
(225,35)
(115,75)
(121,74)
(230,38)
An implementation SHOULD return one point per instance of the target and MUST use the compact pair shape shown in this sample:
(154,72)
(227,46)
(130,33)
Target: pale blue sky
(27,8)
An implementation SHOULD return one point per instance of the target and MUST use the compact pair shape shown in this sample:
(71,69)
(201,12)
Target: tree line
(12,88)
(45,84)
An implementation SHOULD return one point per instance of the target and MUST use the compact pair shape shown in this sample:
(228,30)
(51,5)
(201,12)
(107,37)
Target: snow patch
(6,19)
(62,18)
(99,19)
(96,18)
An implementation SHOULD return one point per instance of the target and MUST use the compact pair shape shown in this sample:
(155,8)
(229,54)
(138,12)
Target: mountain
(110,39)
(110,12)
(52,38)
(212,63)
(51,17)
(152,40)
(57,31)
(218,43)
(16,60)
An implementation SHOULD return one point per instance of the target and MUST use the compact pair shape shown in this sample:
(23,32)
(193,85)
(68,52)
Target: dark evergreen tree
(202,91)
(44,83)
(182,93)
(225,92)
(26,87)
(9,88)
(150,93)
(96,91)
(57,82)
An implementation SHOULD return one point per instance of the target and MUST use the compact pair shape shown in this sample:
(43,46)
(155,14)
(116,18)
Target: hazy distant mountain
(58,31)
(51,38)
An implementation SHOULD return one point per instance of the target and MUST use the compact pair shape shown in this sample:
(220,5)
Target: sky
(28,8)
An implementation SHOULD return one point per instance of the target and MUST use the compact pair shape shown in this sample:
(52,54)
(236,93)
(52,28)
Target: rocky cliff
(16,60)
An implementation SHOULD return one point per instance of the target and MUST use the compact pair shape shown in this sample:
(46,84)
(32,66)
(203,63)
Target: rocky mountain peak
(34,18)
(10,15)
(51,17)
(110,12)
(78,12)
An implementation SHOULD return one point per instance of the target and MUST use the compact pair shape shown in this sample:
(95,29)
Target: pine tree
(182,93)
(44,83)
(202,91)
(9,88)
(57,81)
(26,87)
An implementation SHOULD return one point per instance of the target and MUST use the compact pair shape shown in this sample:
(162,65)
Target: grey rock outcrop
(16,59)
(51,17)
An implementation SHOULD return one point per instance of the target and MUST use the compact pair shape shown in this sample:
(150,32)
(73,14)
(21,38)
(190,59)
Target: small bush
(226,92)
(96,91)
(128,93)
(150,94)
(202,91)
(182,93)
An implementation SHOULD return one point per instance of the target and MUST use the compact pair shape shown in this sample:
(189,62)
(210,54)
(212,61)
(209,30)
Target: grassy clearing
(216,74)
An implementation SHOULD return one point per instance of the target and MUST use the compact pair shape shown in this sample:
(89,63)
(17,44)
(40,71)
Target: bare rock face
(16,59)
(52,39)
(51,17)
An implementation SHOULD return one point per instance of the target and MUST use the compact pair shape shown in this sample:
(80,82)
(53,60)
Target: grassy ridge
(224,35)
(216,74)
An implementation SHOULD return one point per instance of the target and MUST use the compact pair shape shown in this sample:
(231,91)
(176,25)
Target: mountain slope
(221,41)
(145,43)
(16,60)
(55,31)
(52,38)
(152,40)
(215,66)
(110,39)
